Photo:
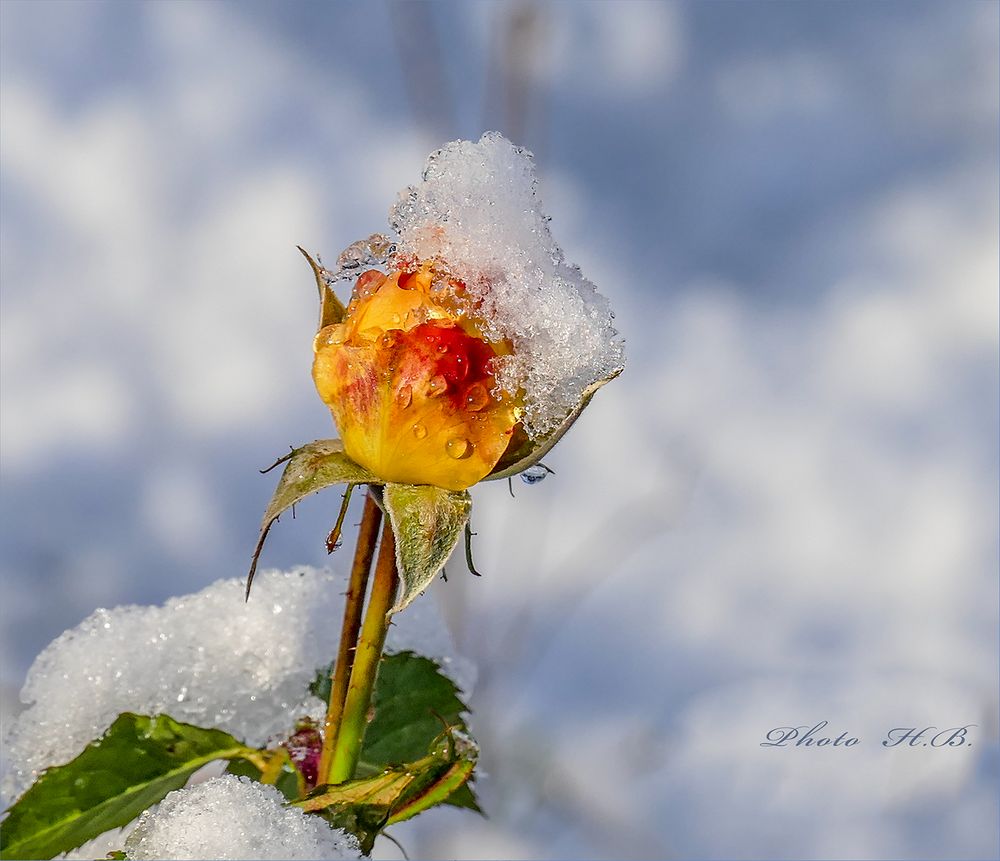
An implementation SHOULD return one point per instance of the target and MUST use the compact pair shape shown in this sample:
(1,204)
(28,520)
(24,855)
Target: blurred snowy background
(784,512)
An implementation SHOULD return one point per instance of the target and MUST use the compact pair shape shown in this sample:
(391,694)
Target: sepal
(531,450)
(331,309)
(427,523)
(308,469)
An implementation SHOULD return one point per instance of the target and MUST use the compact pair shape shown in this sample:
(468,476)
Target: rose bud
(410,381)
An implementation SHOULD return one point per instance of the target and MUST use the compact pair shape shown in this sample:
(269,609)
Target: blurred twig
(513,101)
(419,53)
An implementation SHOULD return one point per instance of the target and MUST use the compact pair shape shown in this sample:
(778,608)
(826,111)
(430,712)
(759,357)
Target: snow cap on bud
(481,345)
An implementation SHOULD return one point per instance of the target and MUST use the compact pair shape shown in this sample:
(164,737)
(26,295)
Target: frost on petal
(207,659)
(234,818)
(477,213)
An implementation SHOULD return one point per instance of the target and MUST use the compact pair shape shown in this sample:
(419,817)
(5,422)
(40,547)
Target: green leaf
(427,522)
(367,805)
(309,469)
(465,797)
(412,698)
(533,450)
(412,702)
(131,767)
(331,310)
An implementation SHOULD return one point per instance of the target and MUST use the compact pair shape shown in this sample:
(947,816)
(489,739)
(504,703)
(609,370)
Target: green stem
(354,601)
(351,733)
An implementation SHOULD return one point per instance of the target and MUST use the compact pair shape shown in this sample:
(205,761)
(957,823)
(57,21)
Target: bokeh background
(784,512)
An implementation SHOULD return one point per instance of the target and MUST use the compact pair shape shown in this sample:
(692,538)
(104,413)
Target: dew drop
(396,319)
(419,431)
(476,397)
(534,474)
(331,336)
(404,397)
(458,447)
(437,386)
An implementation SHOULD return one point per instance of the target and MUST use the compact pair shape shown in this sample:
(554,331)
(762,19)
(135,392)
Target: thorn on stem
(278,462)
(398,845)
(333,539)
(256,557)
(468,550)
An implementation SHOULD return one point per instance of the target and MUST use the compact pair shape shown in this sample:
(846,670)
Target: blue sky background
(784,512)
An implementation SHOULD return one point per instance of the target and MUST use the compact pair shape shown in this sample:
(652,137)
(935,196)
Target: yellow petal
(411,389)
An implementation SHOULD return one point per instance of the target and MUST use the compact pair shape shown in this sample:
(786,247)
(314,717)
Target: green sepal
(427,523)
(309,469)
(131,767)
(331,309)
(534,449)
(367,805)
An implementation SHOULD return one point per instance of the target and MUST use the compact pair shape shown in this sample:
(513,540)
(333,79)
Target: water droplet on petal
(331,336)
(458,447)
(419,431)
(396,319)
(367,285)
(404,397)
(437,386)
(476,397)
(534,474)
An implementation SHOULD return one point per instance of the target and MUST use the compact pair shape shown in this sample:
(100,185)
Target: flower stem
(354,601)
(366,660)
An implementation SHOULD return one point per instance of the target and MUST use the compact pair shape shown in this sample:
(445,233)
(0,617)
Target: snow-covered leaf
(131,767)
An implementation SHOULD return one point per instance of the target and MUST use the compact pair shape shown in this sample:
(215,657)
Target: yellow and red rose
(410,380)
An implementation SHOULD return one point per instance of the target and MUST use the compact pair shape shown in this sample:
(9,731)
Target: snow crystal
(478,213)
(100,846)
(208,659)
(234,817)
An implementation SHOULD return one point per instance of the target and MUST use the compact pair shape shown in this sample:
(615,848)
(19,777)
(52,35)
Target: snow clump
(478,214)
(208,659)
(232,817)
